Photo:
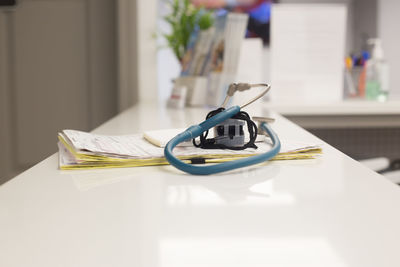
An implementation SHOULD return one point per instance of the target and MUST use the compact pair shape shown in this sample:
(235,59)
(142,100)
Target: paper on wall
(307,52)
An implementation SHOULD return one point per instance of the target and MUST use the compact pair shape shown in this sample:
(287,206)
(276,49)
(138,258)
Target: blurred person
(225,3)
(259,14)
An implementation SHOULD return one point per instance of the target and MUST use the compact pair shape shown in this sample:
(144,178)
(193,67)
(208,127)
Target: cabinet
(57,70)
(361,129)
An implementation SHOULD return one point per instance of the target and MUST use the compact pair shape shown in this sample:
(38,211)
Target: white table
(325,212)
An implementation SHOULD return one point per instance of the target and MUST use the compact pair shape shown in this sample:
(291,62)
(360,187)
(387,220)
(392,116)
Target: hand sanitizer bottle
(377,73)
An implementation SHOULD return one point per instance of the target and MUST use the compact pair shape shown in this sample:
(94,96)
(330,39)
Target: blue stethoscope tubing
(196,130)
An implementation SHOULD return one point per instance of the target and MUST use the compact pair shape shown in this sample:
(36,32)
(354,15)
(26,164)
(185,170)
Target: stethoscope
(196,130)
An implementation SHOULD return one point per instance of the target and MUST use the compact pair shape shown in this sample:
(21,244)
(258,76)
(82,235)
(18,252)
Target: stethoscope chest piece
(229,128)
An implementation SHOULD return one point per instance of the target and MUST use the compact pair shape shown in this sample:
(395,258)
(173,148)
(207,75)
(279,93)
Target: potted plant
(184,20)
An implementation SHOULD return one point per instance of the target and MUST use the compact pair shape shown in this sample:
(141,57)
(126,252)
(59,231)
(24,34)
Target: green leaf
(184,19)
(206,21)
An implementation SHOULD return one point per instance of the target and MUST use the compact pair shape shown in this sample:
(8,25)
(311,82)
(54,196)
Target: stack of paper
(81,150)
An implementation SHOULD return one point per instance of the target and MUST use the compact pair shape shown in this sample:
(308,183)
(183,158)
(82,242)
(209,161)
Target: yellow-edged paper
(81,150)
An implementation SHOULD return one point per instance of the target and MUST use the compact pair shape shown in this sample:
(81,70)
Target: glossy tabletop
(329,211)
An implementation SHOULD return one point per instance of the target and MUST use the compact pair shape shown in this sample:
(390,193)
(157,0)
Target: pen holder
(355,82)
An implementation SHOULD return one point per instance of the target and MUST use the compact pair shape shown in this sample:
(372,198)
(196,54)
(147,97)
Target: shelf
(348,107)
(345,114)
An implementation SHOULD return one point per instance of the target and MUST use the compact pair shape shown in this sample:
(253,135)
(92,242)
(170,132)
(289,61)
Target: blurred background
(73,64)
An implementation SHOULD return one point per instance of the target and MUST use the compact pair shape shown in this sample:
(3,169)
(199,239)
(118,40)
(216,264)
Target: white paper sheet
(132,146)
(307,52)
(135,146)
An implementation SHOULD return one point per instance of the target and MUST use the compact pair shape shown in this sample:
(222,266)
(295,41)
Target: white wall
(168,67)
(137,59)
(147,50)
(388,30)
